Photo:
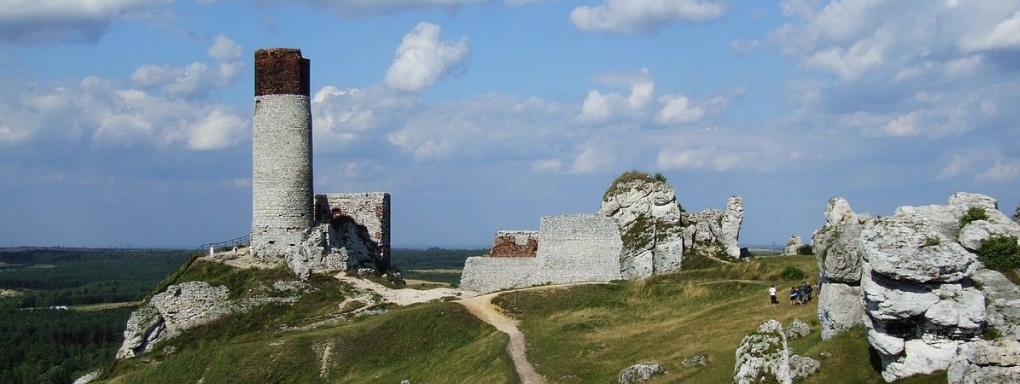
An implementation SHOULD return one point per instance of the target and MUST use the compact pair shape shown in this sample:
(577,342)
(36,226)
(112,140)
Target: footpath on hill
(482,308)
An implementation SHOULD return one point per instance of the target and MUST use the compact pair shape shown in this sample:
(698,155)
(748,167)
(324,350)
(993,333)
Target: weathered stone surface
(801,366)
(983,362)
(639,373)
(797,329)
(793,244)
(144,328)
(515,244)
(730,226)
(647,214)
(839,309)
(960,311)
(896,247)
(1003,297)
(974,232)
(696,361)
(885,344)
(888,299)
(763,356)
(572,249)
(920,357)
(837,243)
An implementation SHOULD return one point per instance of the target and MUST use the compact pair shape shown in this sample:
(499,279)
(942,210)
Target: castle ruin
(310,233)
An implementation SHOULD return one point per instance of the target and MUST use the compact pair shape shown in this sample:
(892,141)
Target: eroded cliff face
(914,281)
(657,232)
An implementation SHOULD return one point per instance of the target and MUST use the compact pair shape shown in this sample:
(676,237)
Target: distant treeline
(48,277)
(432,258)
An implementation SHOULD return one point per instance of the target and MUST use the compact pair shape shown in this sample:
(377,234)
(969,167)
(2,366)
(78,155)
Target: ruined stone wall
(515,244)
(571,249)
(368,209)
(281,153)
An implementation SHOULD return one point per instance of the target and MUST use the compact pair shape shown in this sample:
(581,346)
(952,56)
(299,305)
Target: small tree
(805,249)
(793,273)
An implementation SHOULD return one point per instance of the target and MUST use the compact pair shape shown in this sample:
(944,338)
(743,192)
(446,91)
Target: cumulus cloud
(422,59)
(361,8)
(97,112)
(599,107)
(1004,35)
(343,116)
(67,21)
(196,79)
(637,16)
(1001,171)
(712,158)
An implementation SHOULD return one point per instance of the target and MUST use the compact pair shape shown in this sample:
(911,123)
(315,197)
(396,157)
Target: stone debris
(696,361)
(639,373)
(797,329)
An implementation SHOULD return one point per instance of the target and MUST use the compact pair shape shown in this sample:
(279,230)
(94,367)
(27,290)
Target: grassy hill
(577,334)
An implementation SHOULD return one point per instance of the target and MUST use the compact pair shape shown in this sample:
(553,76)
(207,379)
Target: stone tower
(281,153)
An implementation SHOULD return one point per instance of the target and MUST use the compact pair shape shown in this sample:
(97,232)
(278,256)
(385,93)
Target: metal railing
(240,242)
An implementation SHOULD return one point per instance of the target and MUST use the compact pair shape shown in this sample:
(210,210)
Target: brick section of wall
(281,153)
(515,244)
(572,249)
(368,209)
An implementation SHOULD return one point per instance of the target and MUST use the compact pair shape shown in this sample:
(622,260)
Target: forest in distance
(40,343)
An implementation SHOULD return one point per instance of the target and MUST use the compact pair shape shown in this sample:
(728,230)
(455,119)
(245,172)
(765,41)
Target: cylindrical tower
(281,152)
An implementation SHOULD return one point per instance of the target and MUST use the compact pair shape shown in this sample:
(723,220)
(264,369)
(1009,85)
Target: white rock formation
(763,356)
(730,226)
(797,329)
(639,373)
(793,245)
(648,216)
(917,288)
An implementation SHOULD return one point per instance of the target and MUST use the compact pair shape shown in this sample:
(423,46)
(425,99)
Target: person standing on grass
(794,295)
(772,295)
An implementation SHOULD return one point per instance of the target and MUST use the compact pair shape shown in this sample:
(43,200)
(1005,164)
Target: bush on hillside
(793,273)
(1000,253)
(631,176)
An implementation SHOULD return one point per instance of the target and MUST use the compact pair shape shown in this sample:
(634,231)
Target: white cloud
(343,116)
(593,159)
(677,109)
(1004,35)
(954,168)
(361,8)
(712,158)
(196,79)
(636,16)
(71,21)
(421,59)
(218,129)
(547,166)
(598,107)
(1001,171)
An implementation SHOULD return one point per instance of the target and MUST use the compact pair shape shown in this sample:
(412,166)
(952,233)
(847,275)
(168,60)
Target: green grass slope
(577,334)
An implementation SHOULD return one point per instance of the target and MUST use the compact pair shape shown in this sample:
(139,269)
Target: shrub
(1000,253)
(628,177)
(805,249)
(973,214)
(930,241)
(793,273)
(660,177)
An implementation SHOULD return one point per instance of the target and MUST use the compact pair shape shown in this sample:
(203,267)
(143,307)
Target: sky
(128,123)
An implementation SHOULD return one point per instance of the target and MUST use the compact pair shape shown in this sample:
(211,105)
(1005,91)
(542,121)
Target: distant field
(101,287)
(437,265)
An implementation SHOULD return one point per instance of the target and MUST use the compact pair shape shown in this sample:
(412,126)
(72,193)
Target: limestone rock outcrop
(639,373)
(729,232)
(921,289)
(184,306)
(646,211)
(763,357)
(793,244)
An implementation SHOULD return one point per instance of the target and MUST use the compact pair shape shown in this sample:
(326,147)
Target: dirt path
(482,308)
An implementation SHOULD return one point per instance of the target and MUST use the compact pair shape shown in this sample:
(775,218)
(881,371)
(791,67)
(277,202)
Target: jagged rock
(1003,298)
(1016,214)
(144,328)
(730,226)
(896,247)
(974,232)
(888,299)
(88,377)
(696,361)
(763,356)
(920,357)
(837,243)
(960,311)
(801,366)
(885,344)
(797,329)
(982,362)
(179,307)
(639,373)
(648,216)
(792,245)
(839,309)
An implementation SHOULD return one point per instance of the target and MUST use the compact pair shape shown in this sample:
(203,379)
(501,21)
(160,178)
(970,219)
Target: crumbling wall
(571,249)
(368,210)
(515,244)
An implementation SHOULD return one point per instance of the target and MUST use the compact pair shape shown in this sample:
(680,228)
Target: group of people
(798,295)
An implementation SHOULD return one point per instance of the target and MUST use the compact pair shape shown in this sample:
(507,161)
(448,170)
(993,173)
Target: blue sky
(128,122)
